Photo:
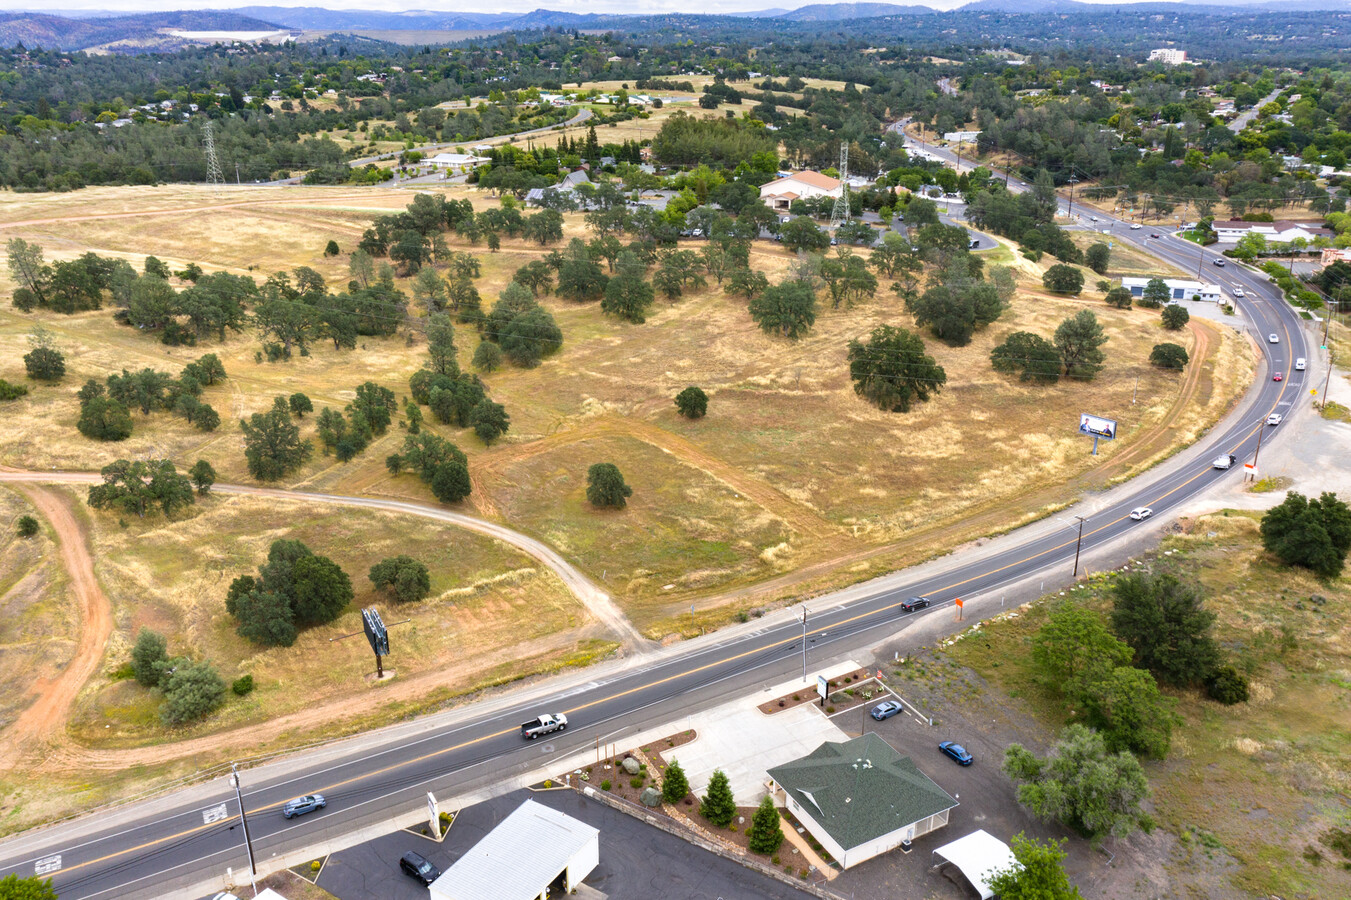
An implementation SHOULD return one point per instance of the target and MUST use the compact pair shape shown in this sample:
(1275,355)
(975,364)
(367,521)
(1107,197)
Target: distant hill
(58,33)
(841,12)
(316,18)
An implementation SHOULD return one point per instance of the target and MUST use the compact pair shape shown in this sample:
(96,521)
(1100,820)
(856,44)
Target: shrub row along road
(186,840)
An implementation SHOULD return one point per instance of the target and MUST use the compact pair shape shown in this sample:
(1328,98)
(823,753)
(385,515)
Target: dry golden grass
(828,474)
(38,626)
(487,600)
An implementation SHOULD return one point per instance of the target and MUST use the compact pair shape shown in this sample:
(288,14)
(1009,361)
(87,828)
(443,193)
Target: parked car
(301,805)
(1273,339)
(885,710)
(1219,261)
(1141,513)
(1274,419)
(1299,364)
(975,242)
(957,752)
(419,867)
(1279,376)
(915,603)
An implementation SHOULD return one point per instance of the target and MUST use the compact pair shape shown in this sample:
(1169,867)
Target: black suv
(418,866)
(914,603)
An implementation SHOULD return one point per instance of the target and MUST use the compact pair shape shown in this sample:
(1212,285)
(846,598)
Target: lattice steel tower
(840,213)
(214,178)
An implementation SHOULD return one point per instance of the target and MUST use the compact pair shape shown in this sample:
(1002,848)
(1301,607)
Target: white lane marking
(214,814)
(47,865)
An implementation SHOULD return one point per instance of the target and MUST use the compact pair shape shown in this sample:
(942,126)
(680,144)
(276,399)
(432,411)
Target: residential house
(1282,231)
(780,193)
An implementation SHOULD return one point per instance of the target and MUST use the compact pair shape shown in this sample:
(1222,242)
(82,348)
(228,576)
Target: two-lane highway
(182,839)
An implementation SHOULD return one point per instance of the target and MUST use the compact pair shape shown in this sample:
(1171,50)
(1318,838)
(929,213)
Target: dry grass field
(789,470)
(1275,765)
(489,604)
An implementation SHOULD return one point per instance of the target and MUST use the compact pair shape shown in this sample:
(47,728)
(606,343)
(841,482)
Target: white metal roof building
(1178,288)
(530,850)
(979,855)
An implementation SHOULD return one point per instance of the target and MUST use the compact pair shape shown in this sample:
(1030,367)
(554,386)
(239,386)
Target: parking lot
(636,859)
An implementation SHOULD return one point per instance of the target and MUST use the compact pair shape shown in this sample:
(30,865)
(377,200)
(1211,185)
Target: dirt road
(54,698)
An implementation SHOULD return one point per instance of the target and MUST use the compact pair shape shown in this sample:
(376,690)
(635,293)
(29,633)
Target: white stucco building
(1178,289)
(1282,231)
(1168,56)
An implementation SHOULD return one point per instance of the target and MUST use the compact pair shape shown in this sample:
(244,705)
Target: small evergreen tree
(1175,317)
(1169,356)
(193,690)
(27,526)
(148,657)
(718,805)
(766,833)
(675,785)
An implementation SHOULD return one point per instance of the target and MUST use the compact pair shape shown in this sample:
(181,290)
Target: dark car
(885,710)
(956,751)
(914,603)
(419,867)
(301,805)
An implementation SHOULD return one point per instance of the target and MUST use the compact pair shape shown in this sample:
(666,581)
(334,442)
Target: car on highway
(1300,364)
(1279,376)
(885,710)
(1224,462)
(957,752)
(914,603)
(1140,513)
(1218,262)
(1136,226)
(301,805)
(418,866)
(1238,292)
(1273,339)
(1155,234)
(1274,419)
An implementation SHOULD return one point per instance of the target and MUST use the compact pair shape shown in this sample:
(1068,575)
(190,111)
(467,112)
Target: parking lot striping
(684,674)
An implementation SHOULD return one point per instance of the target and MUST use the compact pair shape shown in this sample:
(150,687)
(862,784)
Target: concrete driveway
(745,743)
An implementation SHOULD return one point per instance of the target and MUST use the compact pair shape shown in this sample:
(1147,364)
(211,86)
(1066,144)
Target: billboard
(1097,427)
(374,627)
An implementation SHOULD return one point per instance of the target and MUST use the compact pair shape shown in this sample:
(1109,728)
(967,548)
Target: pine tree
(675,785)
(718,805)
(766,834)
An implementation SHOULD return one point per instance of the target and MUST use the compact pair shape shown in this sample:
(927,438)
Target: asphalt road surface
(179,840)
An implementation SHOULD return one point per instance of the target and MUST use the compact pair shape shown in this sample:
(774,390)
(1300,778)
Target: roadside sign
(822,686)
(959,602)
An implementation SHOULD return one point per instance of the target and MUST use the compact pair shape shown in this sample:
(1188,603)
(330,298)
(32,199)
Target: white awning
(979,855)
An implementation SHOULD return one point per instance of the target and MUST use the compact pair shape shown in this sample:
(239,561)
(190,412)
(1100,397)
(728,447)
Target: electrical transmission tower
(840,213)
(214,178)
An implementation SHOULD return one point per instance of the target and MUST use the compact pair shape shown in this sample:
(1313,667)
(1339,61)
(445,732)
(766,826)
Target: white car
(1273,339)
(1141,512)
(1299,364)
(1274,419)
(1238,292)
(1136,226)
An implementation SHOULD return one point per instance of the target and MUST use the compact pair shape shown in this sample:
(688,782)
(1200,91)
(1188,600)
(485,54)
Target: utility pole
(1074,179)
(1261,428)
(1077,545)
(237,181)
(244,820)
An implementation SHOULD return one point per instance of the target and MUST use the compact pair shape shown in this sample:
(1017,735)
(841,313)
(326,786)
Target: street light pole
(244,820)
(1077,544)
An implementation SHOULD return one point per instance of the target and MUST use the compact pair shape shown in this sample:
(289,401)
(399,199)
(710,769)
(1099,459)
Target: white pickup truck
(543,725)
(1225,462)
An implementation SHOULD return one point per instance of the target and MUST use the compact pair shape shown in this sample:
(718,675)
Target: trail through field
(596,601)
(47,715)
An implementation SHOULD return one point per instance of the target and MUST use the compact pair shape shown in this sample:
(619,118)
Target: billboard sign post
(1098,428)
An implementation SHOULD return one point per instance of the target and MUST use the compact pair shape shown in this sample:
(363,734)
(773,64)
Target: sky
(580,6)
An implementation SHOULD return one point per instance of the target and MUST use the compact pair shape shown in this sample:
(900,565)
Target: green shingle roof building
(861,798)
